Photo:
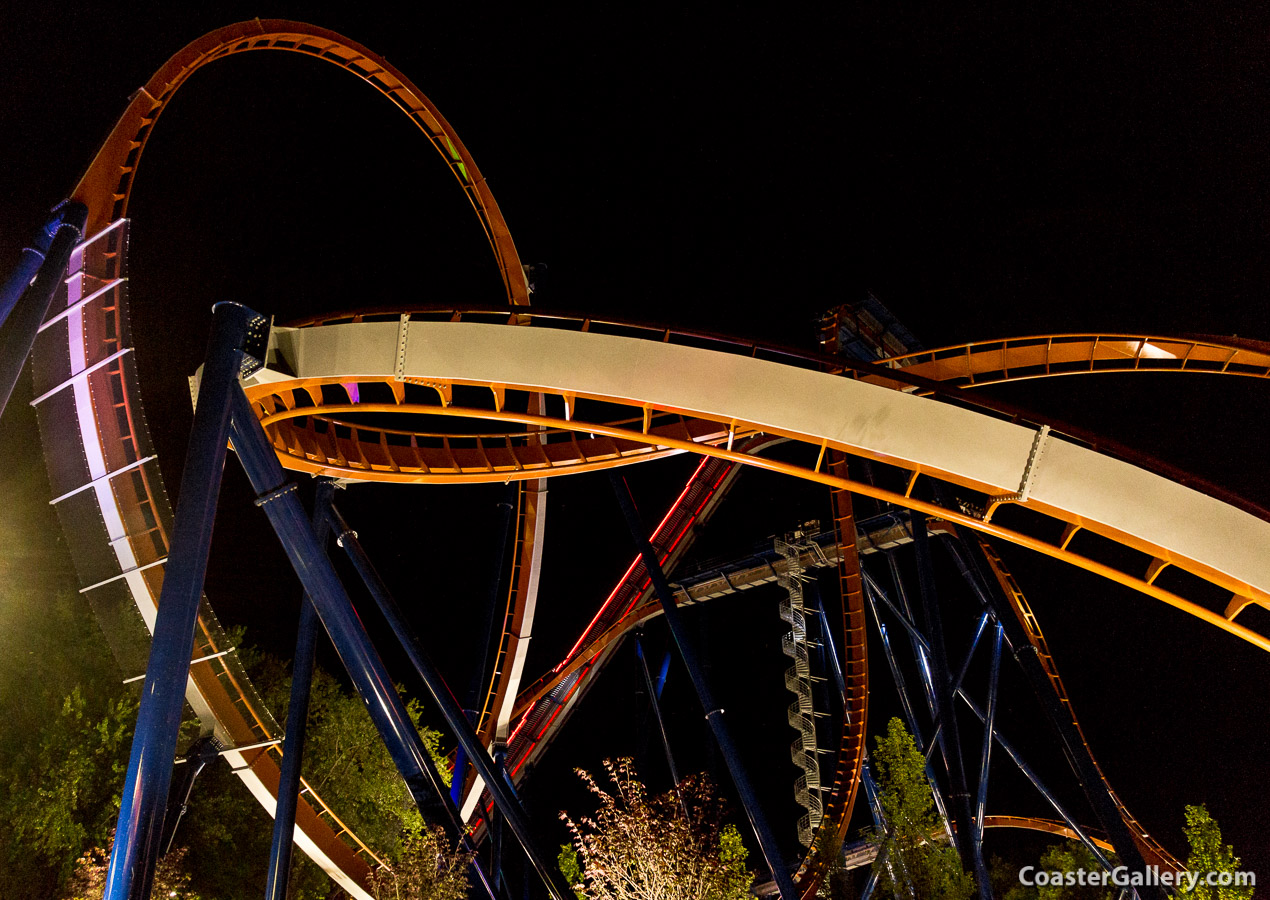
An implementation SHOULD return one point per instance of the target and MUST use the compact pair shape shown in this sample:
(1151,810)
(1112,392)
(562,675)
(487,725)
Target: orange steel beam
(854,661)
(105,188)
(456,468)
(903,378)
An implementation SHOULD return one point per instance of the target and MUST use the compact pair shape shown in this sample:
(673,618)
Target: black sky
(987,173)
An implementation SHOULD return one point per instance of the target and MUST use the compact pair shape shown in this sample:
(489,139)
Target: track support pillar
(139,830)
(297,719)
(495,781)
(958,793)
(1082,761)
(24,303)
(714,713)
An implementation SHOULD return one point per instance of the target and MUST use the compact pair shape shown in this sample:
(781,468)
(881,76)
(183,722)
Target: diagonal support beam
(1078,754)
(958,793)
(661,723)
(989,722)
(277,497)
(279,874)
(139,830)
(495,779)
(714,712)
(23,305)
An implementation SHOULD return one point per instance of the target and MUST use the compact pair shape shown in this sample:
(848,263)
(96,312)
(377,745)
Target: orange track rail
(105,189)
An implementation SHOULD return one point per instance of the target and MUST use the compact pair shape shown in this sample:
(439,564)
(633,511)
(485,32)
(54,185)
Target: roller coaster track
(874,536)
(662,427)
(111,498)
(1047,356)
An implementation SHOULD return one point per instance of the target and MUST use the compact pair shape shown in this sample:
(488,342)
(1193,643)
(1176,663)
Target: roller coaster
(509,392)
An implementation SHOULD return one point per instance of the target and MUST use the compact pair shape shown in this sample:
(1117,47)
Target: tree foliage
(1069,856)
(916,862)
(672,846)
(427,868)
(60,796)
(88,881)
(1209,854)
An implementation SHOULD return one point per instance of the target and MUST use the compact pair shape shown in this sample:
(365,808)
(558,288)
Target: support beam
(958,794)
(661,723)
(713,712)
(495,780)
(872,593)
(277,497)
(23,305)
(1078,753)
(989,723)
(279,874)
(145,792)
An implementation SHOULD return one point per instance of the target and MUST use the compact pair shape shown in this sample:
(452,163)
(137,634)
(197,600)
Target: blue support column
(1078,753)
(662,671)
(1030,774)
(495,780)
(714,713)
(989,723)
(24,308)
(31,258)
(961,676)
(871,592)
(277,497)
(958,794)
(921,649)
(145,792)
(981,801)
(297,719)
(661,723)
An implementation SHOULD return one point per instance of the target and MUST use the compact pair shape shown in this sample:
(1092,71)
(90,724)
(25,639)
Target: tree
(1069,856)
(427,868)
(1209,855)
(345,761)
(916,863)
(88,881)
(60,797)
(673,846)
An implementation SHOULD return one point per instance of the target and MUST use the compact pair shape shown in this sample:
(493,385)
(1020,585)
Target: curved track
(503,359)
(1047,356)
(113,504)
(111,497)
(692,399)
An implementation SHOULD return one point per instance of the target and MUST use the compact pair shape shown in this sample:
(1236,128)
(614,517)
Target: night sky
(985,173)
